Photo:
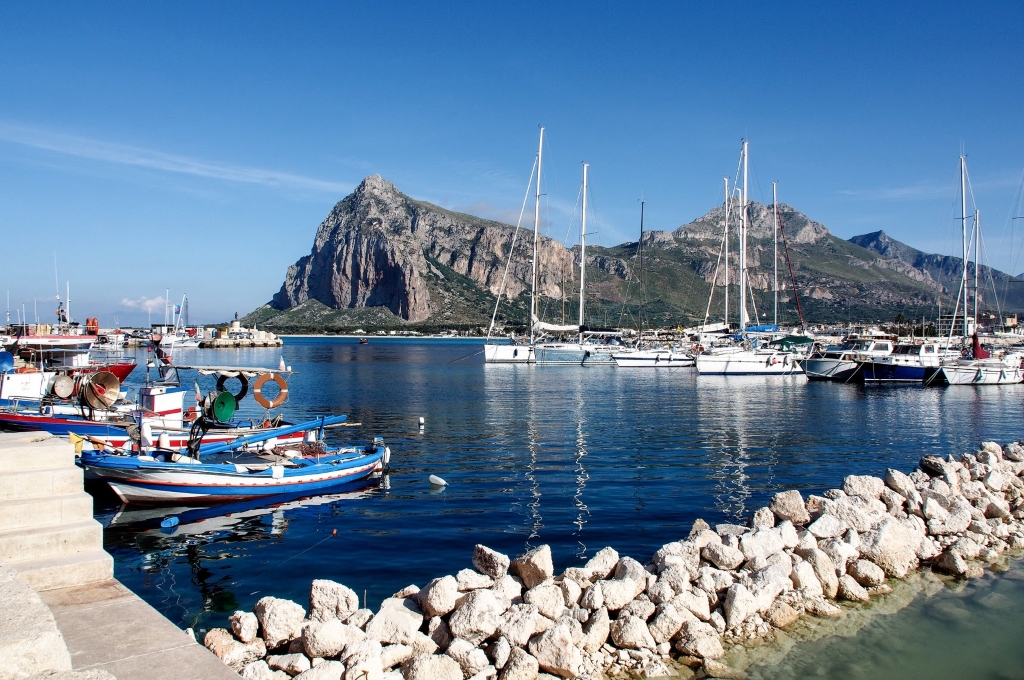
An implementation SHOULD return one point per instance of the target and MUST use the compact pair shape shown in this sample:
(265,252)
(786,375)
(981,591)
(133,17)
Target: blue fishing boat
(908,363)
(236,470)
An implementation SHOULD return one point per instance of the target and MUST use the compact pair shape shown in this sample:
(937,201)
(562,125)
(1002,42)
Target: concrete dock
(60,607)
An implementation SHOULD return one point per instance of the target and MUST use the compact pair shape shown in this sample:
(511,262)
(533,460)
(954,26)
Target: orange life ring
(257,390)
(26,369)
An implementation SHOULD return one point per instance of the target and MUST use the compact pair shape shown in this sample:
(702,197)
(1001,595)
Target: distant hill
(382,260)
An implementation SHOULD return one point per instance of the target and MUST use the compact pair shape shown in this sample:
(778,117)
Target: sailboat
(980,367)
(581,352)
(749,356)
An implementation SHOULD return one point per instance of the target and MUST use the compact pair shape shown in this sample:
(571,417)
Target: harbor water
(578,458)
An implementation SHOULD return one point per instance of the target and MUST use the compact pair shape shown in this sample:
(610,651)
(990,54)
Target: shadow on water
(578,458)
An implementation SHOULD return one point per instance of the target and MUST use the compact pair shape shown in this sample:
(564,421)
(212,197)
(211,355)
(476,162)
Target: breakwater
(680,611)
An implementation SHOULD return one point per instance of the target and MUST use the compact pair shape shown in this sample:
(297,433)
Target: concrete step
(34,451)
(18,545)
(66,571)
(24,513)
(40,483)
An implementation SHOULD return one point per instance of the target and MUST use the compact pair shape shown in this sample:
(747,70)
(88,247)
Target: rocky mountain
(383,259)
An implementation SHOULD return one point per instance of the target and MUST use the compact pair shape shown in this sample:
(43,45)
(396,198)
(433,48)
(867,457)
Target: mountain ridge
(422,265)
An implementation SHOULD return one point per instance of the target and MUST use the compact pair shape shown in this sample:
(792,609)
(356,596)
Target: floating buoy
(421,422)
(169,523)
(437,481)
(334,532)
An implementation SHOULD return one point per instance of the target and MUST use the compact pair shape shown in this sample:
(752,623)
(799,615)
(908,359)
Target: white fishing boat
(749,355)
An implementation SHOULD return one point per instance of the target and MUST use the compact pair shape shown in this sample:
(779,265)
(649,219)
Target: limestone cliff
(378,247)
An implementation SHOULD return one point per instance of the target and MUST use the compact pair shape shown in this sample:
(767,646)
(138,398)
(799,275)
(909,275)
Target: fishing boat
(235,470)
(840,362)
(908,363)
(749,354)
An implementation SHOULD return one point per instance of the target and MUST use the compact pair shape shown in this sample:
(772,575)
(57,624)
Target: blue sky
(197,146)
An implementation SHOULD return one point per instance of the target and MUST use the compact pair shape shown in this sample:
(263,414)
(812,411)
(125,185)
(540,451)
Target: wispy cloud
(121,154)
(145,304)
(914,192)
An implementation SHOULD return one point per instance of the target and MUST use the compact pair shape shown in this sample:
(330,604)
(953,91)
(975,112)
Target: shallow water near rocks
(950,629)
(578,458)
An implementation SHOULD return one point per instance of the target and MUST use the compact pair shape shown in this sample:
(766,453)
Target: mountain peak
(375,185)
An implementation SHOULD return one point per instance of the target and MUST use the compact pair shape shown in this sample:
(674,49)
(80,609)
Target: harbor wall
(696,602)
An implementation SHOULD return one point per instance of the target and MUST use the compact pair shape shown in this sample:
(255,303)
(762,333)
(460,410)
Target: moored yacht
(841,362)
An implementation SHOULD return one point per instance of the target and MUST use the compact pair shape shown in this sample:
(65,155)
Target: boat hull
(508,354)
(830,369)
(135,481)
(653,359)
(570,354)
(747,363)
(979,375)
(871,372)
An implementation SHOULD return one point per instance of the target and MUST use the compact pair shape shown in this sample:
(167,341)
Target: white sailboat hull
(748,362)
(653,359)
(981,373)
(508,354)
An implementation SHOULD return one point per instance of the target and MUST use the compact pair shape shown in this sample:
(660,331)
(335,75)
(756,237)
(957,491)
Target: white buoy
(437,481)
(421,422)
(164,440)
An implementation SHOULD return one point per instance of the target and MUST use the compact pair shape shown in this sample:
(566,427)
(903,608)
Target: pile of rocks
(518,620)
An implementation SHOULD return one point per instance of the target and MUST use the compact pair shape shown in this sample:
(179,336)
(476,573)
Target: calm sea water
(578,458)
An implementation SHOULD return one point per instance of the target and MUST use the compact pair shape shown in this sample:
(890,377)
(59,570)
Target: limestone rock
(548,598)
(471,659)
(490,562)
(840,552)
(244,625)
(508,590)
(952,562)
(439,633)
(476,618)
(571,591)
(627,567)
(700,640)
(804,579)
(789,505)
(395,655)
(534,567)
(863,485)
(360,618)
(396,622)
(641,608)
(292,664)
(259,670)
(827,526)
(331,600)
(593,597)
(280,620)
(892,546)
(326,639)
(518,624)
(470,579)
(694,602)
(439,596)
(739,604)
(602,564)
(781,615)
(630,632)
(722,556)
(866,573)
(432,667)
(556,653)
(229,650)
(763,518)
(666,623)
(824,569)
(850,590)
(520,666)
(325,670)
(761,543)
(499,652)
(617,593)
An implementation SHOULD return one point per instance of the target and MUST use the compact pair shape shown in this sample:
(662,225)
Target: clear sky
(197,146)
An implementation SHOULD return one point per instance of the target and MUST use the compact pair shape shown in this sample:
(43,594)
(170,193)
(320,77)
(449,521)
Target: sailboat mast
(977,260)
(583,248)
(640,278)
(775,241)
(963,228)
(726,179)
(743,244)
(536,231)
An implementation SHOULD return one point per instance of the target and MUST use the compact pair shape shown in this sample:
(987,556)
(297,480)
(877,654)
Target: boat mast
(536,230)
(977,261)
(726,179)
(775,241)
(583,248)
(963,228)
(640,278)
(743,245)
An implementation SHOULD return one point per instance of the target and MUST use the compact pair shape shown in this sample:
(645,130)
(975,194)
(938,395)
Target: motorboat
(841,362)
